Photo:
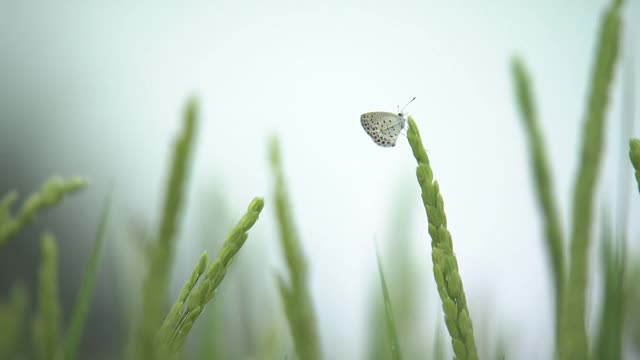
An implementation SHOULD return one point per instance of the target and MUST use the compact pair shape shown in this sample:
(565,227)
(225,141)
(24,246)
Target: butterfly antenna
(402,111)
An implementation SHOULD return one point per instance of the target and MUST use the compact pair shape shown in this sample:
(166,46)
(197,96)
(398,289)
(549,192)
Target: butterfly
(384,127)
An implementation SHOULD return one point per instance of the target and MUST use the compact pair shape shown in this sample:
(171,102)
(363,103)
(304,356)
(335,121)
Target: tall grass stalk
(574,343)
(445,264)
(49,313)
(52,192)
(543,182)
(392,334)
(83,301)
(194,296)
(295,293)
(156,283)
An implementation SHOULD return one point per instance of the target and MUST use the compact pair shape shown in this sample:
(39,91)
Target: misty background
(98,90)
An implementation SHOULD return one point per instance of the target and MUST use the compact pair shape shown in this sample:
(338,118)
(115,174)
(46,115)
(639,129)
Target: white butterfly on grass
(384,127)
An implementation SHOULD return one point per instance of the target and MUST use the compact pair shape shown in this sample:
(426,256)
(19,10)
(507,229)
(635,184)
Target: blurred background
(98,90)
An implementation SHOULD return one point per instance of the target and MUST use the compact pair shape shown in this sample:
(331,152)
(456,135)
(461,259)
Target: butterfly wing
(382,127)
(391,132)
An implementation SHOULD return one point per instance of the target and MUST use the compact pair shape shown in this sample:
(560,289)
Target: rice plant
(201,318)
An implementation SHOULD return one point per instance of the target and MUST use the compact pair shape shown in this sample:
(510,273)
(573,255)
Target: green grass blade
(13,317)
(295,293)
(156,284)
(609,338)
(83,301)
(392,334)
(445,264)
(192,300)
(543,182)
(634,155)
(52,192)
(574,342)
(48,300)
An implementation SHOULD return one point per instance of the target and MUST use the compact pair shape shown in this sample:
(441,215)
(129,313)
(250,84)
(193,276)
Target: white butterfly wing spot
(383,127)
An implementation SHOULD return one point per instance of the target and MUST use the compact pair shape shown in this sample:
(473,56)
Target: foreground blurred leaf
(13,321)
(156,283)
(544,184)
(609,338)
(573,335)
(52,192)
(49,313)
(295,293)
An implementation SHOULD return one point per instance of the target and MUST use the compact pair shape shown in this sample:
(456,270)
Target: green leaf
(573,335)
(543,182)
(13,317)
(295,294)
(48,301)
(612,312)
(156,284)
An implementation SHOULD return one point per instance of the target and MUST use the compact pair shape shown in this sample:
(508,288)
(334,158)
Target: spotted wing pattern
(383,127)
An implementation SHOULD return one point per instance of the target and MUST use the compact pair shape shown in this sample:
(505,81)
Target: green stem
(295,294)
(445,264)
(52,192)
(543,182)
(574,342)
(156,284)
(49,303)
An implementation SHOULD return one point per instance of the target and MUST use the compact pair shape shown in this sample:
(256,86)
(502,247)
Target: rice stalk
(543,182)
(49,313)
(573,335)
(52,192)
(608,344)
(445,264)
(13,317)
(195,296)
(295,293)
(156,283)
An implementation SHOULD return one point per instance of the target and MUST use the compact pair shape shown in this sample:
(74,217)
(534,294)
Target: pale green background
(97,90)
